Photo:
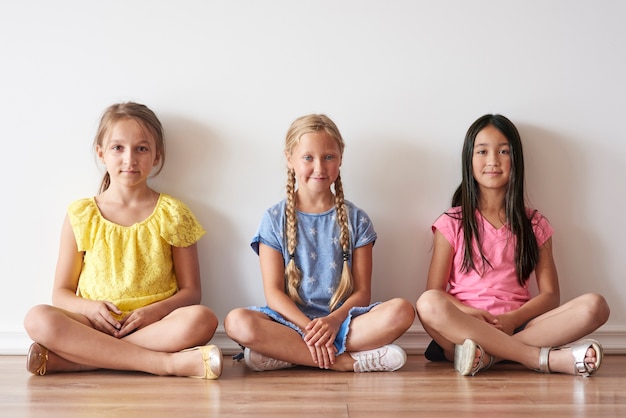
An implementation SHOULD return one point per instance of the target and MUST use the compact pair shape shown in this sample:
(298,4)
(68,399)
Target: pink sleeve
(542,228)
(449,225)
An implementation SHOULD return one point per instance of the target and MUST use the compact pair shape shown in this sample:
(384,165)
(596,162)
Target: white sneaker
(258,362)
(384,359)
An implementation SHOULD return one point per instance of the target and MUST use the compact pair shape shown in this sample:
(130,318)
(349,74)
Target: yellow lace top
(131,266)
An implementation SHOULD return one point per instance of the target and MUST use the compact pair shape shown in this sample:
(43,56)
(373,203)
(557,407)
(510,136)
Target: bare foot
(488,360)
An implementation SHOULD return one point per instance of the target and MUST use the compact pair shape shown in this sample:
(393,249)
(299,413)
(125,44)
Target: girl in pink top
(477,306)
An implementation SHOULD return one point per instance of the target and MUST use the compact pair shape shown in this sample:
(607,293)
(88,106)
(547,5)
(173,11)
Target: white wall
(402,79)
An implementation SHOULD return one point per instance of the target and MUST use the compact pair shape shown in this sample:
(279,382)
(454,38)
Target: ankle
(343,363)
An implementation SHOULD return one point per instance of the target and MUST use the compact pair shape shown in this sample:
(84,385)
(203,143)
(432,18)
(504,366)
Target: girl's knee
(207,317)
(428,302)
(197,323)
(597,307)
(403,312)
(37,322)
(230,322)
(239,325)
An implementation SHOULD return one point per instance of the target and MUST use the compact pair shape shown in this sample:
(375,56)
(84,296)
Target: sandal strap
(491,361)
(481,366)
(544,354)
(465,356)
(579,352)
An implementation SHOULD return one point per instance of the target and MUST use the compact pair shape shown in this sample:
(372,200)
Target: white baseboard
(414,341)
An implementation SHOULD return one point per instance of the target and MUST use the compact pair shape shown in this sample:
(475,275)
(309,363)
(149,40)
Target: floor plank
(419,388)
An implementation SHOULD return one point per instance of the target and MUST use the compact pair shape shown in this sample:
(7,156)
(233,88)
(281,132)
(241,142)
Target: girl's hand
(505,322)
(99,313)
(483,316)
(137,319)
(320,336)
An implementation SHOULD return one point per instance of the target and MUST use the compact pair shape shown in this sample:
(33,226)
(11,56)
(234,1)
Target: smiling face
(316,160)
(129,153)
(491,159)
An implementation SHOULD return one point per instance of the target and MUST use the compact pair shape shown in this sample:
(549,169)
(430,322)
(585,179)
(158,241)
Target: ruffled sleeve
(85,220)
(177,224)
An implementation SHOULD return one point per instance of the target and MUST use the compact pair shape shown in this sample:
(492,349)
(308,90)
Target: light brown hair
(142,115)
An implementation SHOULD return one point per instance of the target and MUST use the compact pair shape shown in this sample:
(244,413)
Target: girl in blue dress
(315,251)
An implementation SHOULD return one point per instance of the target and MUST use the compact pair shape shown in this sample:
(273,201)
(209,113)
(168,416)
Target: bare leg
(185,327)
(259,333)
(75,345)
(390,320)
(449,326)
(567,323)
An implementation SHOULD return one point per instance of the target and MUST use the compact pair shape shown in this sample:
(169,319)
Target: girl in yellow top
(127,285)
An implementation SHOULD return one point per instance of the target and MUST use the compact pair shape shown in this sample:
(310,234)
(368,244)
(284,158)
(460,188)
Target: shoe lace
(270,363)
(371,361)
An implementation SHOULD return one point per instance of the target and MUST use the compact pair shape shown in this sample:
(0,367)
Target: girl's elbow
(555,300)
(196,299)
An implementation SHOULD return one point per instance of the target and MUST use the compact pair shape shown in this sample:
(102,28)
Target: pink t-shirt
(496,290)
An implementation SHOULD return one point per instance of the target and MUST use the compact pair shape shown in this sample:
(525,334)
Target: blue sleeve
(365,233)
(270,230)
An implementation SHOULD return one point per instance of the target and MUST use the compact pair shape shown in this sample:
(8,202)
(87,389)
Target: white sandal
(579,352)
(464,356)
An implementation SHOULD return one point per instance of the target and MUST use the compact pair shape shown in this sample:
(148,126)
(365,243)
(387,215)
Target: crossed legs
(449,326)
(382,325)
(74,345)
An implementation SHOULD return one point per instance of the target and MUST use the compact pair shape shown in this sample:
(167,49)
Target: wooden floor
(420,388)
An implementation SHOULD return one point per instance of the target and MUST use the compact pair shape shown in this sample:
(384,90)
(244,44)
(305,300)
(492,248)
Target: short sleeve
(449,225)
(270,231)
(85,220)
(177,223)
(541,227)
(365,232)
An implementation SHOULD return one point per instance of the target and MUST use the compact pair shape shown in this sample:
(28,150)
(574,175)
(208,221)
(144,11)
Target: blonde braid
(346,284)
(293,276)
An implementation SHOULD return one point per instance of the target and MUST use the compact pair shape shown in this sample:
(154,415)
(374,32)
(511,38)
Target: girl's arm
(273,274)
(547,299)
(187,268)
(69,265)
(440,263)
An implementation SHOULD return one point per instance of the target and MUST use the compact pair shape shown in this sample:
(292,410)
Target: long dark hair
(519,221)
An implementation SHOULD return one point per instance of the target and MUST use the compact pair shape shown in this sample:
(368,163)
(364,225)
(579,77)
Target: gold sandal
(579,352)
(212,359)
(464,356)
(37,359)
